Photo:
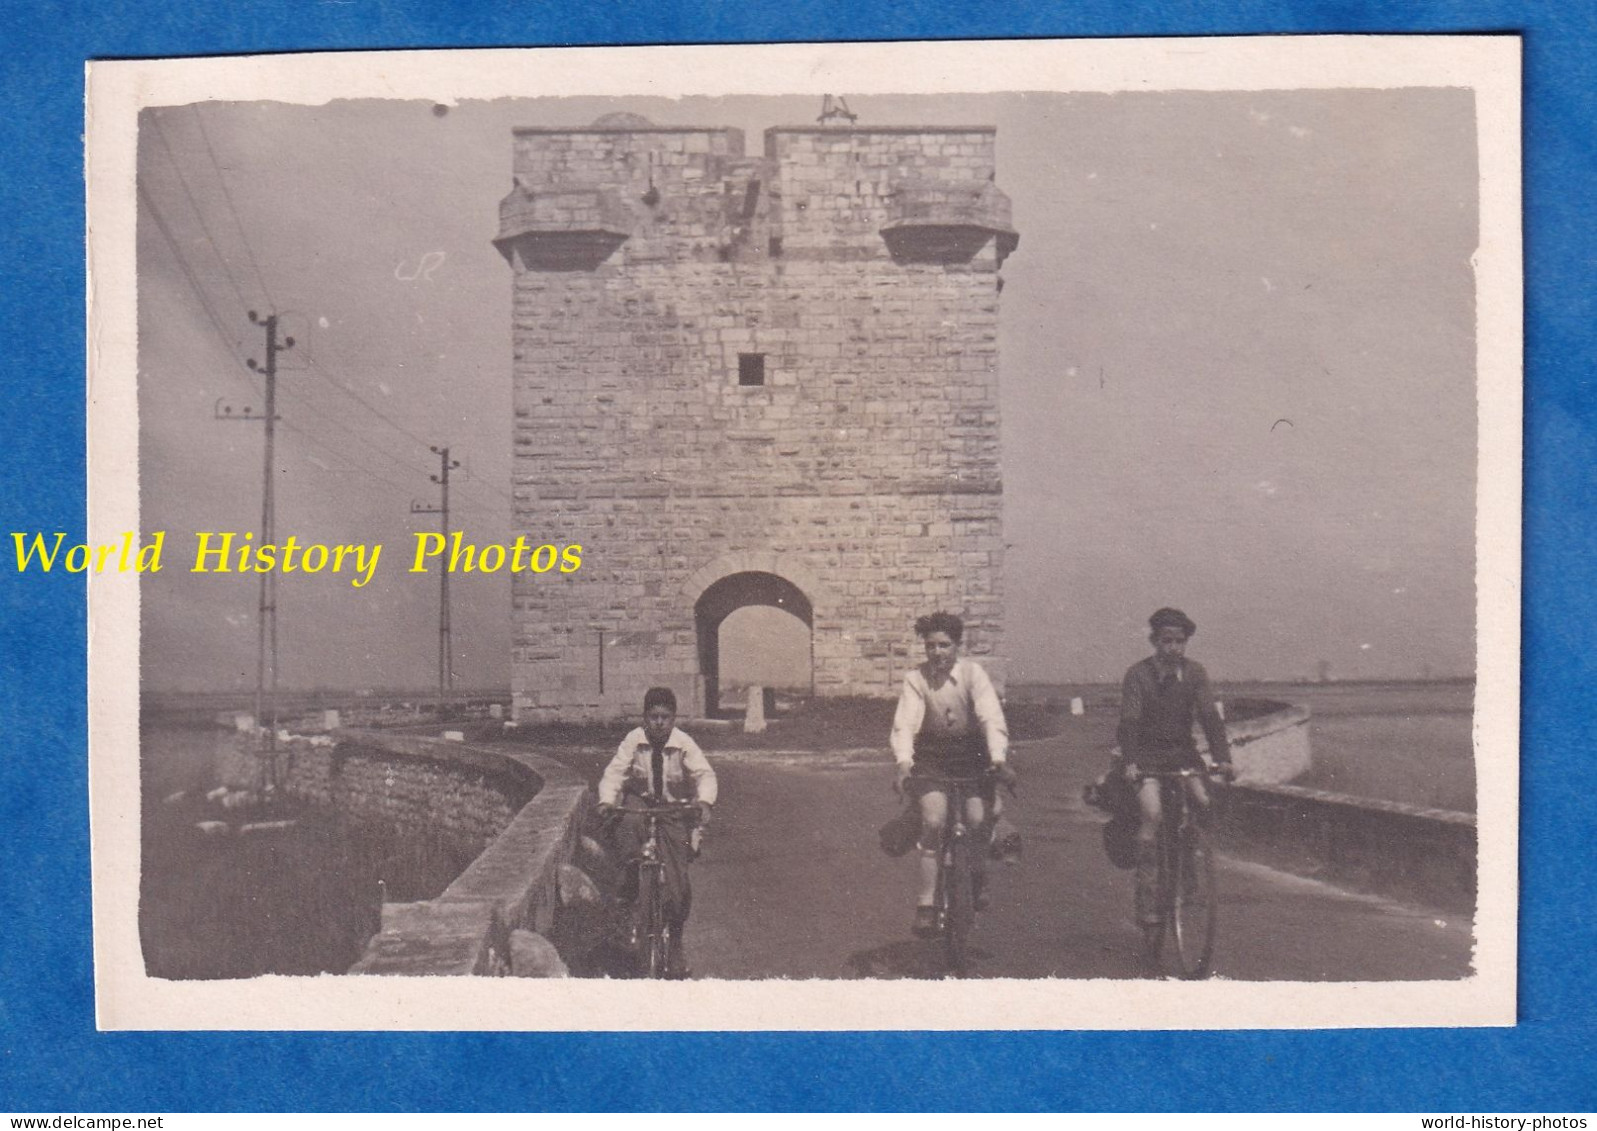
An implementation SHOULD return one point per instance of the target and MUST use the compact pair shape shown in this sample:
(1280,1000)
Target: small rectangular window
(751,369)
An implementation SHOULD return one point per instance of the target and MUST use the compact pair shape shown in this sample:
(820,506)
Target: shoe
(925,922)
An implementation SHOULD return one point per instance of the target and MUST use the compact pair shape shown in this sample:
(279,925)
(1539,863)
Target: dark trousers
(628,837)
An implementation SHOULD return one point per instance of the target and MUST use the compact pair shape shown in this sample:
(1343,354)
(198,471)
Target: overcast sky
(1237,347)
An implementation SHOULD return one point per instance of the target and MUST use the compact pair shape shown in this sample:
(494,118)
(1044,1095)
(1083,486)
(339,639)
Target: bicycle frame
(1186,896)
(655,934)
(954,896)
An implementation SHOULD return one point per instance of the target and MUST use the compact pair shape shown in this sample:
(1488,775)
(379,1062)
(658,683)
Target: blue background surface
(51,1057)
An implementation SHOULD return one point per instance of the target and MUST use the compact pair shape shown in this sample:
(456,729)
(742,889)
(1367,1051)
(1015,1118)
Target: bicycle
(1186,895)
(654,936)
(955,895)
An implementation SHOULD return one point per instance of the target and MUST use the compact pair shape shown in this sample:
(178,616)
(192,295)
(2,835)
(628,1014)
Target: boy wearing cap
(1160,699)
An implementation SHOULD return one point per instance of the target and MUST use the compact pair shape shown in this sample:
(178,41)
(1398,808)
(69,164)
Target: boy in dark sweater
(1160,699)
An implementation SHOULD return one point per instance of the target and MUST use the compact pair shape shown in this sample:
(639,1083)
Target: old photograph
(937,536)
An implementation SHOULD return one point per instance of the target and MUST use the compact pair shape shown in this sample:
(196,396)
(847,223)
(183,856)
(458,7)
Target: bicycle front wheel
(652,940)
(1153,932)
(1195,906)
(960,914)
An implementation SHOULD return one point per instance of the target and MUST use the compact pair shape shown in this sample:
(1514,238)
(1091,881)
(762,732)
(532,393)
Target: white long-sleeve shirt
(682,762)
(962,703)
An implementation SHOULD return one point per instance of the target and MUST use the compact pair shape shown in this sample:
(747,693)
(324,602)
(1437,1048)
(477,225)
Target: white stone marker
(754,714)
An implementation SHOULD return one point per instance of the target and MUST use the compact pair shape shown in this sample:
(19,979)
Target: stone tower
(767,380)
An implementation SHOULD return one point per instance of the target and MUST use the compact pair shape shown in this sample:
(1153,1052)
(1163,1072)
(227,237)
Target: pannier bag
(1120,841)
(899,835)
(1006,843)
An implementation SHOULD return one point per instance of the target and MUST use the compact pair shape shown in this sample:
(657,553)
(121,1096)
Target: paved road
(792,884)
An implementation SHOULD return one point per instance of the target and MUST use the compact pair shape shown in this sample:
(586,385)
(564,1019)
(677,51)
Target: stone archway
(726,595)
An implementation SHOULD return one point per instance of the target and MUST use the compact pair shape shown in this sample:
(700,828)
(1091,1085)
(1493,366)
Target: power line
(358,438)
(344,456)
(378,413)
(238,223)
(358,399)
(216,323)
(199,213)
(386,419)
(188,273)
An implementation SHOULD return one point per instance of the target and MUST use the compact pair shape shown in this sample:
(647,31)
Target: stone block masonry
(414,786)
(752,380)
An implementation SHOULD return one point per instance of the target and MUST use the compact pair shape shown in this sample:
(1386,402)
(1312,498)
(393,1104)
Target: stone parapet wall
(1404,851)
(417,786)
(1270,743)
(517,811)
(1383,847)
(512,886)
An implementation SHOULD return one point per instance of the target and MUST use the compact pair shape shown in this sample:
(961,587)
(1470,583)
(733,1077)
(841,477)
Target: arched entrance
(726,596)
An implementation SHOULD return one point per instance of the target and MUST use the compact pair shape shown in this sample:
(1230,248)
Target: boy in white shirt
(949,723)
(658,763)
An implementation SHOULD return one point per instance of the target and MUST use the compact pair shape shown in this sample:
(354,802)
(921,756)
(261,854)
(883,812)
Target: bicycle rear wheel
(1153,933)
(960,909)
(1195,907)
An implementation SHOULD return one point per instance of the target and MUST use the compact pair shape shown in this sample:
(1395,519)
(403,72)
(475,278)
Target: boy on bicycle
(1160,699)
(656,763)
(949,723)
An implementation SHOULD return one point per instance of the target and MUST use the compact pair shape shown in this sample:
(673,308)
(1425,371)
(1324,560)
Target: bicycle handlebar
(664,809)
(1207,770)
(939,779)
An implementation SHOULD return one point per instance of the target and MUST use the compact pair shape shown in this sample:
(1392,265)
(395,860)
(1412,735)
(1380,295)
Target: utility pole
(266,614)
(446,655)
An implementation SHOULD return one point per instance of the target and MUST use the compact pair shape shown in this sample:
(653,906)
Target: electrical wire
(194,283)
(221,179)
(160,133)
(321,371)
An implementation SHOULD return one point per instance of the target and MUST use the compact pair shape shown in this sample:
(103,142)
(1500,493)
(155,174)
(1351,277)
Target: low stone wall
(518,812)
(512,885)
(1404,851)
(1427,856)
(1269,740)
(419,786)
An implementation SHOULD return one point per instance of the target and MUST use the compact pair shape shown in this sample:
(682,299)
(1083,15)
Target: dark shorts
(1166,759)
(964,756)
